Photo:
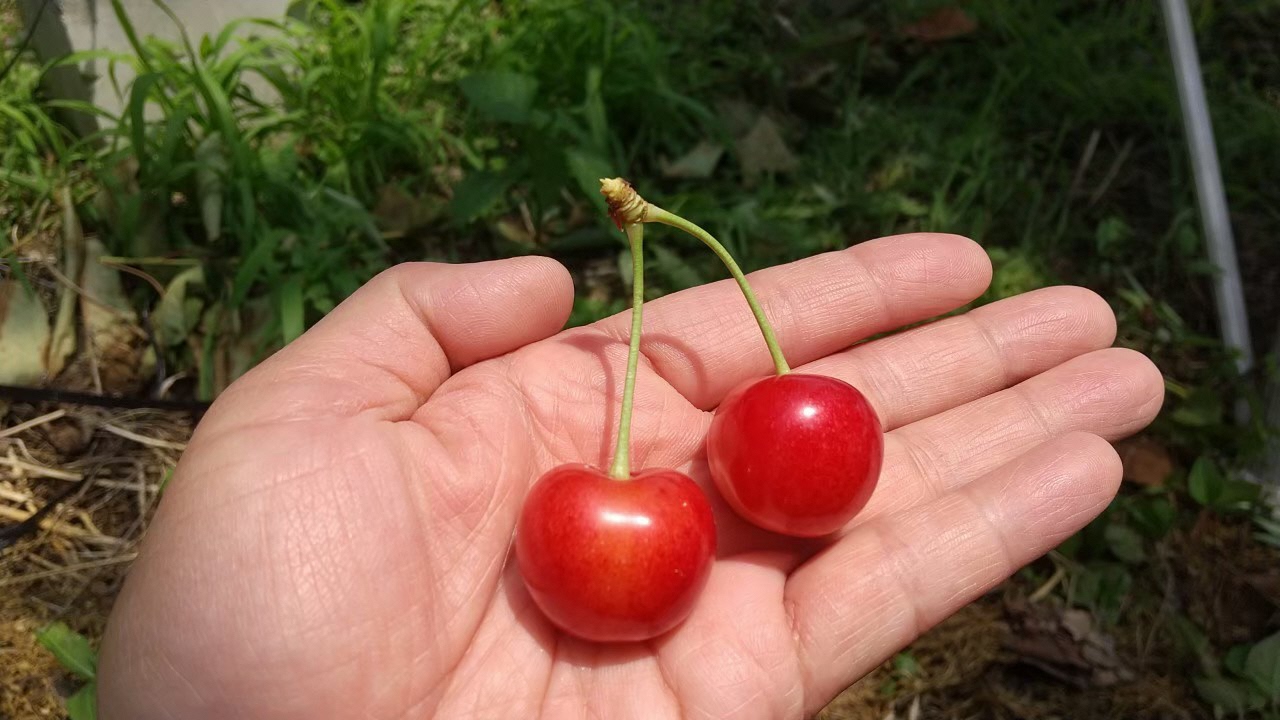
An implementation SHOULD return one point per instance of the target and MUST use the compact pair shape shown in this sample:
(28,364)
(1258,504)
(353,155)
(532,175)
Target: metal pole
(1227,287)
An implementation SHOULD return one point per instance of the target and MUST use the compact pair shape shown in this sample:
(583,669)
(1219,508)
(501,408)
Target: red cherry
(615,560)
(796,454)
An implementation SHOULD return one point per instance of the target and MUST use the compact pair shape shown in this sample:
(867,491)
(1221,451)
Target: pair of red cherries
(619,556)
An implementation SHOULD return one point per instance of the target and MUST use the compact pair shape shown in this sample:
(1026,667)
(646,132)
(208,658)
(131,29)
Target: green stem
(658,215)
(621,467)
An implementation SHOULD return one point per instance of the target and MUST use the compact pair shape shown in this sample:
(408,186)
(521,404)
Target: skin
(337,535)
(615,560)
(796,454)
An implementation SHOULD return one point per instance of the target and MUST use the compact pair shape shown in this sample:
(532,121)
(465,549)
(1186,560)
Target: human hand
(335,542)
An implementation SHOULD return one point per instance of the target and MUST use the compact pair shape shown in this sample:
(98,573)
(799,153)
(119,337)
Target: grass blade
(292,316)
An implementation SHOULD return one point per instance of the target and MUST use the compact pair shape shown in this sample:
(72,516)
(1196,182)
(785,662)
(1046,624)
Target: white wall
(76,25)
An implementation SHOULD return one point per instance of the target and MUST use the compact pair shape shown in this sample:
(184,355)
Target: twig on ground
(1043,591)
(143,439)
(59,527)
(68,569)
(34,422)
(33,469)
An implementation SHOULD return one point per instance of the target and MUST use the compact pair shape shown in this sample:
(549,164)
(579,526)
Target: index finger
(704,340)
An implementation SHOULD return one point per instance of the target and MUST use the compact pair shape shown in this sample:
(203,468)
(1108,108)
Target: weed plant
(465,129)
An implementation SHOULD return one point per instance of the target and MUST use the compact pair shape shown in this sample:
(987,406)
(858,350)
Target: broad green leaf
(1205,481)
(70,648)
(1125,543)
(84,704)
(500,95)
(177,313)
(1234,659)
(1103,588)
(1238,494)
(675,270)
(1153,516)
(1210,487)
(1231,695)
(1262,666)
(1202,408)
(587,169)
(477,192)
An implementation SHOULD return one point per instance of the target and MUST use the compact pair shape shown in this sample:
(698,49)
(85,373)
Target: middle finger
(926,370)
(1110,393)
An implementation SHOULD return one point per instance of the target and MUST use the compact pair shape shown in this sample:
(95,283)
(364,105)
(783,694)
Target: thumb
(395,340)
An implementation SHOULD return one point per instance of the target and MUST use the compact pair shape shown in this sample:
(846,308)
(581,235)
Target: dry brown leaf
(514,229)
(1146,462)
(762,150)
(698,163)
(1066,644)
(736,116)
(24,334)
(398,212)
(111,325)
(945,23)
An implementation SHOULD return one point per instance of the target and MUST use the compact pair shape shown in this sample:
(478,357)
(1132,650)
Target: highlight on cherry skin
(796,454)
(615,560)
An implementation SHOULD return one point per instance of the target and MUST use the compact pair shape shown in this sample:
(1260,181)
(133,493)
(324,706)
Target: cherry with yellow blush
(797,454)
(617,556)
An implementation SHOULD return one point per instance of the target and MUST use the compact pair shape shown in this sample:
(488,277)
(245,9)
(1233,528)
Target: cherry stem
(653,213)
(621,467)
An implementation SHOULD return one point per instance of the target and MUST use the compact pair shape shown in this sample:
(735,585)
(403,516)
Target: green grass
(461,129)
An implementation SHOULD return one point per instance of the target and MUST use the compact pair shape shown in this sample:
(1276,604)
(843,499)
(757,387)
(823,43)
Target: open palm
(336,542)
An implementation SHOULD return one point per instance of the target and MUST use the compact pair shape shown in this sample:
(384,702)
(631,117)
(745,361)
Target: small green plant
(39,156)
(1246,680)
(905,669)
(1215,490)
(77,655)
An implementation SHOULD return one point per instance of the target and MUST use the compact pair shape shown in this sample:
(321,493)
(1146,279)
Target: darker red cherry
(615,560)
(796,454)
